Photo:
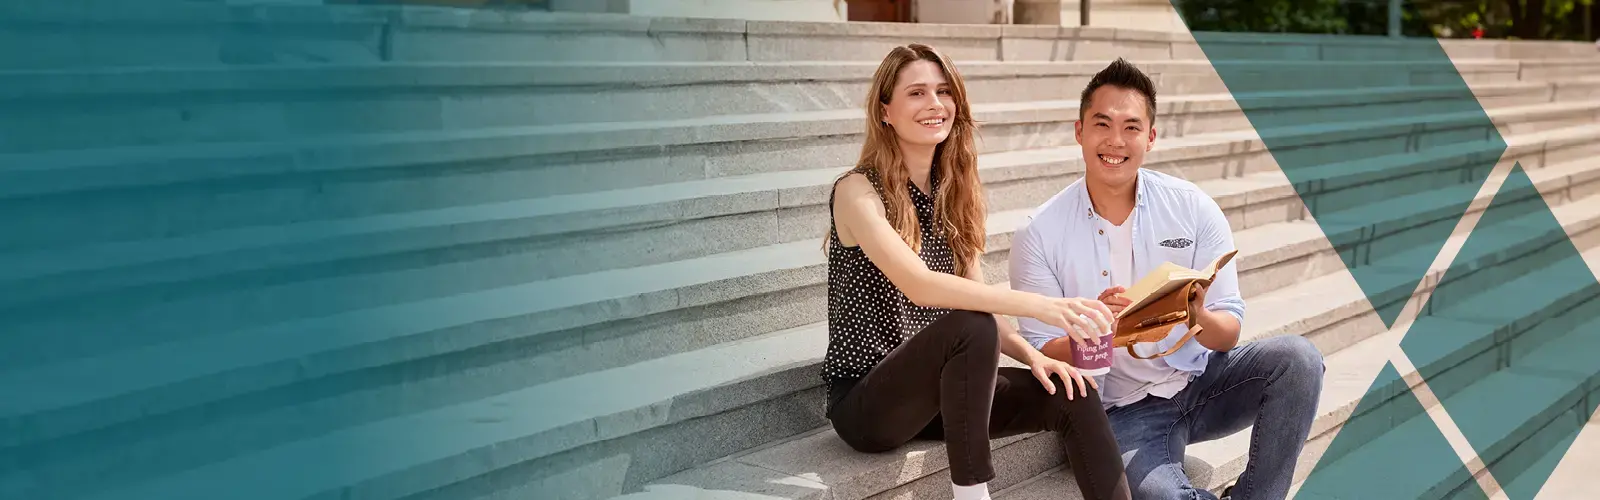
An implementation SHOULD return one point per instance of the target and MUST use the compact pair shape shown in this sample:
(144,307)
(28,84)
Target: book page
(1210,272)
(1158,282)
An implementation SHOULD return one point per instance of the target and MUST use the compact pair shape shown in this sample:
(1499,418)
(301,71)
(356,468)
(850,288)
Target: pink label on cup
(1091,359)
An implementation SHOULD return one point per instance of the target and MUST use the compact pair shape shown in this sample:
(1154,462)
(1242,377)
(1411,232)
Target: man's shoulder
(1165,183)
(1063,202)
(1169,188)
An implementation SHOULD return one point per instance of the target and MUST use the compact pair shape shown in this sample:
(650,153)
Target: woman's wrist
(1033,305)
(1035,356)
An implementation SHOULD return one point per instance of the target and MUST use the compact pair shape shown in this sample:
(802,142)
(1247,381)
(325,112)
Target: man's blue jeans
(1272,384)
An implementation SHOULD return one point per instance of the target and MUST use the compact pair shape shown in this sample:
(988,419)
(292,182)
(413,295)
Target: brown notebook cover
(1161,303)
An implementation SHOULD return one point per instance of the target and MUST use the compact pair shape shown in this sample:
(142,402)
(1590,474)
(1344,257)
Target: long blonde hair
(959,208)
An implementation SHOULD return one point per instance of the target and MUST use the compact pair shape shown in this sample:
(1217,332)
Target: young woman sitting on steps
(914,342)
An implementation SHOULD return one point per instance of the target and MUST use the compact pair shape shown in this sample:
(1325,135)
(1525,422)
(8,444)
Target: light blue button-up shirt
(1059,252)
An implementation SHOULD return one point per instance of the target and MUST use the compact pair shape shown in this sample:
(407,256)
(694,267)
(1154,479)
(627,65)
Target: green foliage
(1264,16)
(1342,17)
(1561,19)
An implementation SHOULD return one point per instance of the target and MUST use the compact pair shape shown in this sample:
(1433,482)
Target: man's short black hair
(1124,74)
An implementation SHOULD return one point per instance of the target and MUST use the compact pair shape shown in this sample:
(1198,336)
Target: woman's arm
(1013,345)
(860,212)
(1011,342)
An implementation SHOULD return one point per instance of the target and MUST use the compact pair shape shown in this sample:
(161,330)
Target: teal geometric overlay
(1509,350)
(263,250)
(1388,147)
(1383,141)
(1388,434)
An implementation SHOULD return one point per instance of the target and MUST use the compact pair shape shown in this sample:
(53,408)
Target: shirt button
(1102,231)
(1105,273)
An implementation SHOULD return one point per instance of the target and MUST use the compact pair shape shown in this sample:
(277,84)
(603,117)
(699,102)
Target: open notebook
(1168,278)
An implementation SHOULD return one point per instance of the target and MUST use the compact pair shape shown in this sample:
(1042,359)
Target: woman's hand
(1085,320)
(1044,366)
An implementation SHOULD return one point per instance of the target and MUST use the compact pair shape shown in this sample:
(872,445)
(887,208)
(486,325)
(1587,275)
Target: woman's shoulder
(855,182)
(859,173)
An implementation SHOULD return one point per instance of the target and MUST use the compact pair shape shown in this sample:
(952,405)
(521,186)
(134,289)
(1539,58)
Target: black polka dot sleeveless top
(867,315)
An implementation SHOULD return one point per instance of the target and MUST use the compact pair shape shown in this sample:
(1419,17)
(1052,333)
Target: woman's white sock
(978,491)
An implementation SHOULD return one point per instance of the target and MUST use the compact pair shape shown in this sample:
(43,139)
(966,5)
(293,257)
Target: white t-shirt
(1131,379)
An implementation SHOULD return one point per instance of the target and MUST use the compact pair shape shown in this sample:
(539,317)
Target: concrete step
(102,33)
(817,465)
(1010,123)
(651,225)
(1307,306)
(1577,88)
(289,99)
(769,144)
(1517,49)
(1546,117)
(750,292)
(1510,251)
(1253,200)
(1250,75)
(491,277)
(1333,311)
(1551,69)
(1569,479)
(683,149)
(72,109)
(1488,268)
(688,302)
(1473,379)
(169,122)
(768,375)
(1552,147)
(478,436)
(215,34)
(456,35)
(576,234)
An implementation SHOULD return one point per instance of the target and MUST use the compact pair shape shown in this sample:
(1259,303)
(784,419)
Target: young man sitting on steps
(1104,232)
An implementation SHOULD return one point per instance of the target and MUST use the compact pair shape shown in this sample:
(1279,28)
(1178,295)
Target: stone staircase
(434,253)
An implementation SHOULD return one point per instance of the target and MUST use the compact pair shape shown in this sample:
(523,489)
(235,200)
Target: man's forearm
(1220,330)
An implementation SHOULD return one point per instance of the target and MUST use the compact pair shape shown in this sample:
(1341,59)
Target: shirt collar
(1138,188)
(1138,193)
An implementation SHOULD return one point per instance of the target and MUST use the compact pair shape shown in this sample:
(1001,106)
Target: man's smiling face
(1115,133)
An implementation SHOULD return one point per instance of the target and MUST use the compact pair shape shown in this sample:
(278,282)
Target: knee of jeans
(1084,405)
(1084,400)
(1301,358)
(977,329)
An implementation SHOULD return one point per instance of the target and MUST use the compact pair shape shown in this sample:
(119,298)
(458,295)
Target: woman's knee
(977,330)
(1084,399)
(1070,400)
